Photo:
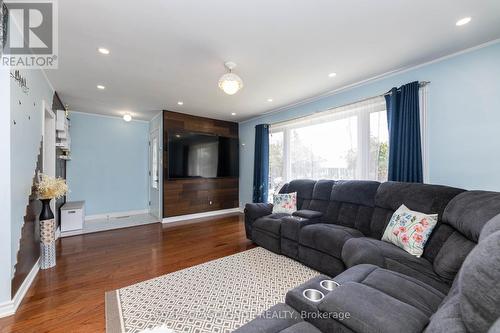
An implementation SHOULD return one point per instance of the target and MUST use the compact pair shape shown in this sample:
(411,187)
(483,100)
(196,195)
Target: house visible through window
(349,142)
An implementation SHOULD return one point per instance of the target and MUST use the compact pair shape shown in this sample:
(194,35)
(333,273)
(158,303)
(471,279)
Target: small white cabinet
(72,216)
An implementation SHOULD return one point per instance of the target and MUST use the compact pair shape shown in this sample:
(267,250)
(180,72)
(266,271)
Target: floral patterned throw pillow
(285,203)
(410,230)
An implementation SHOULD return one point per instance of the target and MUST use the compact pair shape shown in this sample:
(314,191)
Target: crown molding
(369,80)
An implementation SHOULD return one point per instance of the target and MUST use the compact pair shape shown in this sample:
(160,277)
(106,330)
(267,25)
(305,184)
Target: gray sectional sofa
(453,287)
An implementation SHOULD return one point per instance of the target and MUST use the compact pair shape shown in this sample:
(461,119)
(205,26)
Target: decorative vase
(47,236)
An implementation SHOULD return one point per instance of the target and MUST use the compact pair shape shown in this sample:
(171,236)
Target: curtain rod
(420,84)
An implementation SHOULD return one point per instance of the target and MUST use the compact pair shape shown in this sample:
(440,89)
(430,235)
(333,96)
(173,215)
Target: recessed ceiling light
(269,100)
(233,114)
(180,103)
(103,50)
(101,87)
(332,75)
(177,135)
(127,117)
(463,21)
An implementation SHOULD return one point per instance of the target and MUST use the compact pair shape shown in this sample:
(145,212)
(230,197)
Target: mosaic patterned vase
(47,236)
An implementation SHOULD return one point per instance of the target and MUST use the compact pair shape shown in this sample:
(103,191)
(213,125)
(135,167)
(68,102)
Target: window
(349,142)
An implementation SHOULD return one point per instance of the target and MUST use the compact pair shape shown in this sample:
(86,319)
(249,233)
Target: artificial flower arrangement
(50,187)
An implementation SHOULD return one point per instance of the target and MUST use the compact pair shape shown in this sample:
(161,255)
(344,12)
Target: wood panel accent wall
(189,196)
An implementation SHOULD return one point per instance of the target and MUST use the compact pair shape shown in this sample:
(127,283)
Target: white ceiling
(163,51)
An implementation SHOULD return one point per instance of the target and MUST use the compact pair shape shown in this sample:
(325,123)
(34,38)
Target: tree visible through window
(349,142)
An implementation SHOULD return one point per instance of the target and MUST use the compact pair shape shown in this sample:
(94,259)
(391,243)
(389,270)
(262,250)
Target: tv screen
(195,155)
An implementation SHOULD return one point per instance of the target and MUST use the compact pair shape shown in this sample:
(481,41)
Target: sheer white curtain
(348,142)
(423,94)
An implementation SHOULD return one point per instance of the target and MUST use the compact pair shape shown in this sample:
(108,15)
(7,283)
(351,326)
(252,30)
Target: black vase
(46,213)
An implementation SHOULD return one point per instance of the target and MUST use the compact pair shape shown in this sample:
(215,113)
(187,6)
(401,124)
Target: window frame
(362,110)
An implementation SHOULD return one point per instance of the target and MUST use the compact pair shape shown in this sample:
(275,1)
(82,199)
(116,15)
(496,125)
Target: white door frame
(156,132)
(49,143)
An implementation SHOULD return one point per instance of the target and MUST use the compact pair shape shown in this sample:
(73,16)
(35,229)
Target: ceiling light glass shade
(127,117)
(230,83)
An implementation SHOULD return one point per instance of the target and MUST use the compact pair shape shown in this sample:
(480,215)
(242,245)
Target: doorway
(49,144)
(154,174)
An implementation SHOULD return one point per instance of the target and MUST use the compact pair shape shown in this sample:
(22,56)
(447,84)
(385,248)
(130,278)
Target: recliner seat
(373,299)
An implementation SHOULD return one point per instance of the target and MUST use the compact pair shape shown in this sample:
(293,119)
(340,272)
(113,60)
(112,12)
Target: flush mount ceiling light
(230,83)
(180,103)
(233,114)
(101,87)
(269,100)
(463,21)
(103,50)
(332,75)
(127,117)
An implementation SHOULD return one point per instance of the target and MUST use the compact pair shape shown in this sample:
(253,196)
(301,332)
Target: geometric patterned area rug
(218,296)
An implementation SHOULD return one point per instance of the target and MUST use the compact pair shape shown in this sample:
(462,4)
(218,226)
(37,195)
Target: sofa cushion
(377,312)
(304,189)
(479,287)
(425,198)
(402,287)
(366,250)
(470,211)
(321,195)
(351,204)
(270,223)
(491,227)
(327,238)
(302,327)
(391,302)
(463,219)
(448,318)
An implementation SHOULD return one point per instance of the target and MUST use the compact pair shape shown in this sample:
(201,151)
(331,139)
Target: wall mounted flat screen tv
(197,155)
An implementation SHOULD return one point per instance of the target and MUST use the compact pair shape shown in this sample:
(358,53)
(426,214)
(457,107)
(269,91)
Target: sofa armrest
(308,214)
(291,225)
(256,210)
(252,212)
(369,310)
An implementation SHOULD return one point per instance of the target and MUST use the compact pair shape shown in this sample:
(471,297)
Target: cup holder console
(313,295)
(329,284)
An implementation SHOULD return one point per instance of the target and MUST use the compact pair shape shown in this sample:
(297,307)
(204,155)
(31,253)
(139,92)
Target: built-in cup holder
(313,295)
(329,284)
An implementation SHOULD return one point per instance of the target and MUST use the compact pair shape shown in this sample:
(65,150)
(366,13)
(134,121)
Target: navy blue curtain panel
(261,163)
(405,145)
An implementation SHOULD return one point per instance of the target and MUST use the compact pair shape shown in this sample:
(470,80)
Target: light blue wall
(109,163)
(26,111)
(463,120)
(5,181)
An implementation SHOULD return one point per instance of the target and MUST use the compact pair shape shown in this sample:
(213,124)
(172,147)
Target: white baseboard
(9,308)
(200,215)
(115,214)
(71,233)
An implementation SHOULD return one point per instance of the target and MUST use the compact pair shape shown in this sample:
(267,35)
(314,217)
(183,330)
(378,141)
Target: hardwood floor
(70,296)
